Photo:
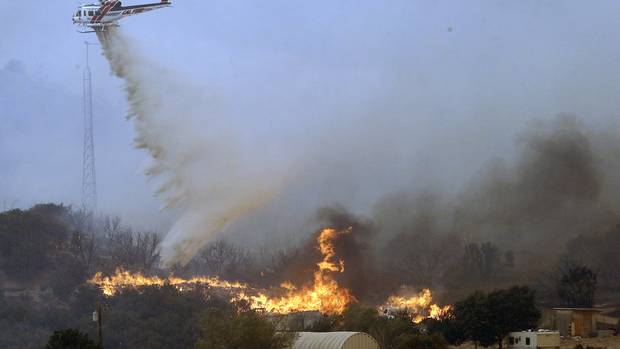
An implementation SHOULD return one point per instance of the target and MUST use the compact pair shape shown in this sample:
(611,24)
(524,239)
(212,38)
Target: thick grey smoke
(563,183)
(202,171)
(558,187)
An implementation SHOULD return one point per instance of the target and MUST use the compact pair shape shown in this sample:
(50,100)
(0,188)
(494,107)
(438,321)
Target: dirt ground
(609,343)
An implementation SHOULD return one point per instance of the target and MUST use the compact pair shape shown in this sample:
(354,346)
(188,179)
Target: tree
(511,310)
(483,260)
(490,254)
(358,318)
(419,341)
(471,316)
(448,327)
(83,247)
(73,263)
(133,250)
(488,318)
(70,339)
(221,257)
(577,286)
(599,251)
(421,258)
(153,317)
(386,331)
(29,239)
(236,326)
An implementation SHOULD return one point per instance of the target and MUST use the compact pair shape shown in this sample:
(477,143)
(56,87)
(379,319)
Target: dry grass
(609,343)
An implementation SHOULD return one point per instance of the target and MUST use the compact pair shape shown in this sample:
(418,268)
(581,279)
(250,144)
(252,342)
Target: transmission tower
(89,178)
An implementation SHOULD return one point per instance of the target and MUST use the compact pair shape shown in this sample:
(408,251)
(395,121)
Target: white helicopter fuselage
(107,13)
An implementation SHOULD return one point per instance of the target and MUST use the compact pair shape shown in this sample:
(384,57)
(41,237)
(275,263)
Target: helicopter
(107,13)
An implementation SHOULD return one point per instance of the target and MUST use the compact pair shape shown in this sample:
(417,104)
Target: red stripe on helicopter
(104,11)
(135,11)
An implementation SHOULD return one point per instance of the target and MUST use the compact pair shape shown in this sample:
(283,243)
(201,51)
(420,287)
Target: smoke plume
(554,191)
(562,183)
(195,159)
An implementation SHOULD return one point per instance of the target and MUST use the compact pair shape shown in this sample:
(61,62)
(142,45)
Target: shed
(335,340)
(576,321)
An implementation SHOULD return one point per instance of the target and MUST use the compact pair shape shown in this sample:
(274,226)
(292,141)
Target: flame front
(419,306)
(324,294)
(111,284)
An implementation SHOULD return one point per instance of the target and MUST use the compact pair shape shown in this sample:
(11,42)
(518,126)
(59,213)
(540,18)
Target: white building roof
(335,340)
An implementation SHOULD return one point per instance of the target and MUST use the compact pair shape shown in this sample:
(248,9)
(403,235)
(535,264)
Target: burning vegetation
(482,242)
(420,306)
(123,279)
(323,293)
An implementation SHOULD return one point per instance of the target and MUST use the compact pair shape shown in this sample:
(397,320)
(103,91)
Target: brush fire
(420,306)
(323,293)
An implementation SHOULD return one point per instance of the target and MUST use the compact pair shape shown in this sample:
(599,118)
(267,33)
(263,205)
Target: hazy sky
(371,97)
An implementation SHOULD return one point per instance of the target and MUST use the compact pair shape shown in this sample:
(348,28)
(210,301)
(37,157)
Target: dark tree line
(577,286)
(38,244)
(486,318)
(599,252)
(398,332)
(47,253)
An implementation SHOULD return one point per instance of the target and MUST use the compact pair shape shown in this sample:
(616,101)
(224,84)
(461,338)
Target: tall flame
(324,294)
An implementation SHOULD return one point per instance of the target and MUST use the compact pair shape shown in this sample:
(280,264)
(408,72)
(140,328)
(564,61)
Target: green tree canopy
(509,310)
(487,318)
(236,326)
(419,341)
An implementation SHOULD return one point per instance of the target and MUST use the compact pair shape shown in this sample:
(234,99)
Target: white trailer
(534,340)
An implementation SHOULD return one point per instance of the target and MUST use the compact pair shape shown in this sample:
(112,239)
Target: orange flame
(324,294)
(419,306)
(111,284)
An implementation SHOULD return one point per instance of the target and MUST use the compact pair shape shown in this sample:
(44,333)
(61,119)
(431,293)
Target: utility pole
(98,317)
(89,179)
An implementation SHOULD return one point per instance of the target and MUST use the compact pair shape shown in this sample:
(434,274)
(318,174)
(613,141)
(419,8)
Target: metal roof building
(335,340)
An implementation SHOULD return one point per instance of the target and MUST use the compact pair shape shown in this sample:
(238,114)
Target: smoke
(354,249)
(554,191)
(562,183)
(201,170)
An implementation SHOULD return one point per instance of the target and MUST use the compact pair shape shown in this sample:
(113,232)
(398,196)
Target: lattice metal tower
(89,177)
